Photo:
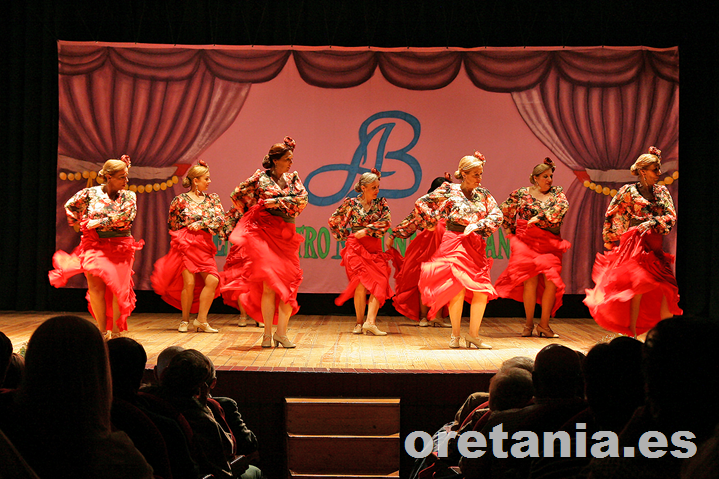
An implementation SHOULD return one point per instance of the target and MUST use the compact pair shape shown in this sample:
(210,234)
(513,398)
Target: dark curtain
(29,119)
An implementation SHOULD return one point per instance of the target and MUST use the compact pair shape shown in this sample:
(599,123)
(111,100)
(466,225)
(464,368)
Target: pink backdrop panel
(412,114)
(454,121)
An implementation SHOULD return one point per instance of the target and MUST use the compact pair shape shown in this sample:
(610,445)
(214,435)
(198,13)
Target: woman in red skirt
(265,275)
(187,276)
(459,269)
(407,300)
(361,222)
(635,287)
(533,215)
(104,215)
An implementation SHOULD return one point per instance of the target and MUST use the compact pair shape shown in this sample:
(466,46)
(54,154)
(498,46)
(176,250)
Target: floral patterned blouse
(522,204)
(292,198)
(629,208)
(449,202)
(351,216)
(94,204)
(185,211)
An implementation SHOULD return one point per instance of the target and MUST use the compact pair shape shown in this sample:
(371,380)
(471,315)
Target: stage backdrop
(410,113)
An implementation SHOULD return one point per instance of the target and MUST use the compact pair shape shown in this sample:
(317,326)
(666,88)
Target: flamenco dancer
(103,215)
(459,269)
(634,284)
(362,222)
(262,272)
(407,300)
(533,215)
(187,276)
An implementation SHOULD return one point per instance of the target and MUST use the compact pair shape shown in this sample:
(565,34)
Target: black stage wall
(28,127)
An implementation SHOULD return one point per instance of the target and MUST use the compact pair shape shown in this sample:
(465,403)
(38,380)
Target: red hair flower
(479,156)
(376,172)
(202,163)
(290,143)
(125,159)
(653,150)
(548,161)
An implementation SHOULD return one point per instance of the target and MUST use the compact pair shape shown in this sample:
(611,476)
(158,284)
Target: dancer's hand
(470,227)
(92,224)
(644,227)
(271,203)
(608,245)
(361,233)
(388,242)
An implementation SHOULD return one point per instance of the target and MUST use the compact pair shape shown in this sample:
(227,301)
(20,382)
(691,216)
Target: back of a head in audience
(164,358)
(187,373)
(522,362)
(510,388)
(67,386)
(127,363)
(682,375)
(5,354)
(614,385)
(15,372)
(557,373)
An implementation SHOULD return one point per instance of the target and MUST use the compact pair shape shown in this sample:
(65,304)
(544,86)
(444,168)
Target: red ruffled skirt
(110,259)
(637,266)
(193,251)
(265,249)
(365,263)
(406,297)
(460,262)
(534,251)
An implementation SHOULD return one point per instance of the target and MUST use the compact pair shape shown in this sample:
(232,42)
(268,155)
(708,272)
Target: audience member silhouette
(169,454)
(681,377)
(15,371)
(477,403)
(705,463)
(59,419)
(245,440)
(558,396)
(163,359)
(614,389)
(5,355)
(511,387)
(227,414)
(185,383)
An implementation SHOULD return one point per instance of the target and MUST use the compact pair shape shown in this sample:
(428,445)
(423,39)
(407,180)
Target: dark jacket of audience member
(614,389)
(558,389)
(180,383)
(681,377)
(169,454)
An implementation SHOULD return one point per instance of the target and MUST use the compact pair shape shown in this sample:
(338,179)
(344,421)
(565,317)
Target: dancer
(187,276)
(634,284)
(104,215)
(533,215)
(361,222)
(407,300)
(265,275)
(459,269)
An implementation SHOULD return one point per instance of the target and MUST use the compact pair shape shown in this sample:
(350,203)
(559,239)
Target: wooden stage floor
(326,343)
